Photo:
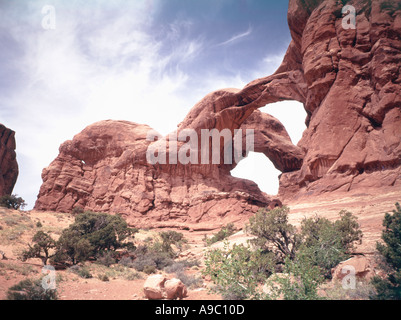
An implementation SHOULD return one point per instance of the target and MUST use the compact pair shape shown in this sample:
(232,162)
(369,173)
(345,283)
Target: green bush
(170,238)
(298,259)
(152,259)
(30,290)
(180,266)
(224,233)
(274,233)
(299,281)
(106,258)
(328,243)
(12,202)
(389,288)
(77,210)
(190,281)
(81,271)
(43,245)
(90,235)
(237,271)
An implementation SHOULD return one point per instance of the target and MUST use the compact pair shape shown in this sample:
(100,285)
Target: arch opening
(257,167)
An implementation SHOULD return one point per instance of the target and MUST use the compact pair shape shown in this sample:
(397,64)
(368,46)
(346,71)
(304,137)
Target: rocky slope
(8,161)
(347,79)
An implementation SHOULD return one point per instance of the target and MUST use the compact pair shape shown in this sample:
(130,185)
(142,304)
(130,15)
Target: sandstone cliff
(349,82)
(8,161)
(353,100)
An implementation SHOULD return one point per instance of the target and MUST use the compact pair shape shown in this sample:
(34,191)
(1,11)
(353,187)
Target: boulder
(158,287)
(175,289)
(360,266)
(153,287)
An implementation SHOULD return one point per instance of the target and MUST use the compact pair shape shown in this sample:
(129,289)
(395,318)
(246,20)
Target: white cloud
(237,37)
(75,76)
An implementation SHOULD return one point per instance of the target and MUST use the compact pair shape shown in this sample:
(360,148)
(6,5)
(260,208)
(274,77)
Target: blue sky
(146,61)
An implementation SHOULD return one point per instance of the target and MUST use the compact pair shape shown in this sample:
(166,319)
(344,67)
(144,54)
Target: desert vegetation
(222,234)
(282,261)
(12,202)
(101,246)
(389,288)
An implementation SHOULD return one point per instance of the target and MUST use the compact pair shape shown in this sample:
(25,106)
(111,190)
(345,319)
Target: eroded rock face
(347,79)
(8,161)
(105,169)
(353,100)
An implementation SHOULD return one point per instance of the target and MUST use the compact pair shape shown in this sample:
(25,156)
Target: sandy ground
(18,227)
(16,231)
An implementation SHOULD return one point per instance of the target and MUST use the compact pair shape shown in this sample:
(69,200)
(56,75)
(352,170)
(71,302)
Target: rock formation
(104,169)
(353,100)
(349,82)
(8,161)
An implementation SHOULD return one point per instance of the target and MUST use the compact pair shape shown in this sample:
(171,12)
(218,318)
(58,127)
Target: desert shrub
(104,278)
(389,288)
(30,290)
(106,258)
(180,266)
(170,238)
(158,255)
(126,262)
(12,202)
(43,245)
(152,259)
(90,235)
(84,272)
(143,261)
(24,269)
(190,281)
(363,291)
(236,271)
(274,233)
(224,233)
(328,243)
(77,210)
(149,269)
(298,259)
(39,224)
(299,281)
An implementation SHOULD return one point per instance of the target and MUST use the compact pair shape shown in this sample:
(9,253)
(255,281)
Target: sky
(67,64)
